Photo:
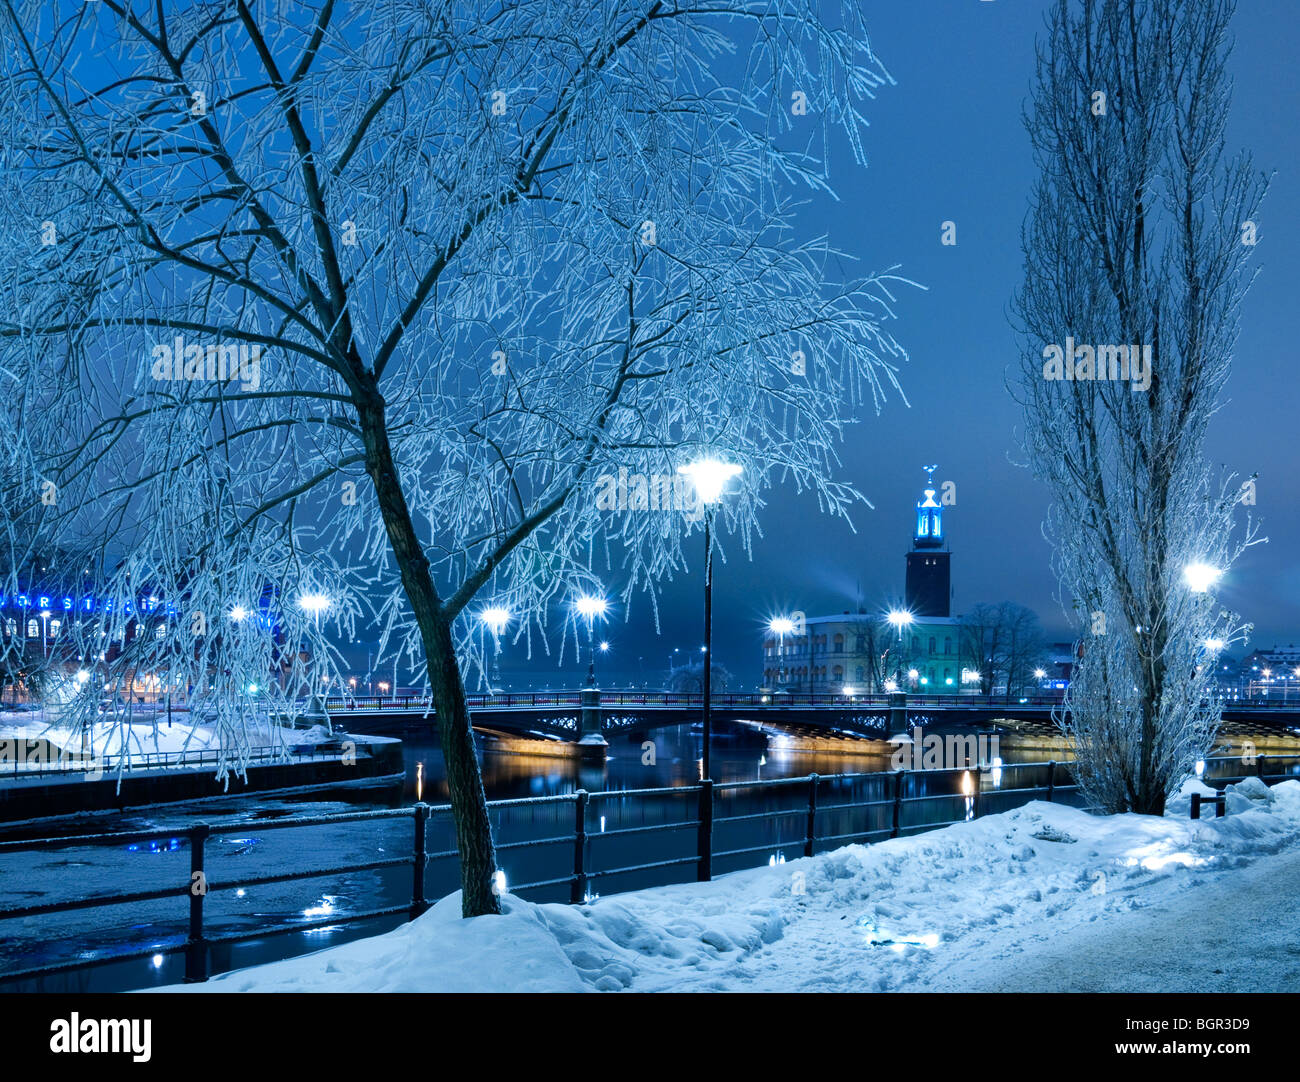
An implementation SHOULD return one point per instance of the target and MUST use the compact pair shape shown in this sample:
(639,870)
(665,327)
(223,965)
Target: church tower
(928,590)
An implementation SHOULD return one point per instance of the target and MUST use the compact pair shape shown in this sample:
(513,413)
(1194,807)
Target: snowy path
(1043,898)
(1229,935)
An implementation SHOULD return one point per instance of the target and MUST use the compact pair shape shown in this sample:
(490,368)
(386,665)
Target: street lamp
(710,477)
(589,607)
(315,604)
(1200,576)
(781,626)
(900,619)
(495,618)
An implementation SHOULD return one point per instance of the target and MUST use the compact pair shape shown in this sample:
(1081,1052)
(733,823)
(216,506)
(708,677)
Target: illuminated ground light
(877,936)
(157,961)
(1160,854)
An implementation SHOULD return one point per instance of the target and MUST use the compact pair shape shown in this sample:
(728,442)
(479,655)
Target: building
(1269,674)
(917,648)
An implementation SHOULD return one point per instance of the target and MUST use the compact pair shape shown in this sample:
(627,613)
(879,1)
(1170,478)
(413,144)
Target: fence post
(1051,779)
(196,950)
(1196,805)
(1259,766)
(898,801)
(578,892)
(812,816)
(421,859)
(704,871)
(1221,806)
(975,793)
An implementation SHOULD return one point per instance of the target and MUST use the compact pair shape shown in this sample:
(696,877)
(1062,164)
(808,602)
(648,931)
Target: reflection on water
(739,753)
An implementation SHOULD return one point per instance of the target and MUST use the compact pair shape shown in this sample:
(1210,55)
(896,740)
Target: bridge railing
(556,848)
(17,762)
(680,699)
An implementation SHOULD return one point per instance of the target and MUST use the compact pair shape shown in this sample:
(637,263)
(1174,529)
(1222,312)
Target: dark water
(740,754)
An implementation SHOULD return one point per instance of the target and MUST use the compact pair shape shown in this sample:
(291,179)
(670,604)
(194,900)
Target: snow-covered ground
(1043,898)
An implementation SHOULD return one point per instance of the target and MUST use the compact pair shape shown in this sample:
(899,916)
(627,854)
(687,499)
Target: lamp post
(709,476)
(590,607)
(591,741)
(495,618)
(781,626)
(900,619)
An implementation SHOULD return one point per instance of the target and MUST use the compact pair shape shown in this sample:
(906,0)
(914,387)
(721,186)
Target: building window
(932,644)
(33,629)
(947,645)
(54,628)
(11,627)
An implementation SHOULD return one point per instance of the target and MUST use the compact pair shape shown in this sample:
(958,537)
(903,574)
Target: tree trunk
(464,780)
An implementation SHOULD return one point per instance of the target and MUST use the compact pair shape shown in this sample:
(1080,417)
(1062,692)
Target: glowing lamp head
(314,602)
(912,674)
(900,618)
(496,618)
(781,625)
(1039,673)
(604,647)
(710,477)
(1200,577)
(891,685)
(238,613)
(1214,644)
(590,606)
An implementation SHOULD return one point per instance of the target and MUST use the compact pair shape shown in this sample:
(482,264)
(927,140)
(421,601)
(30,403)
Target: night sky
(947,143)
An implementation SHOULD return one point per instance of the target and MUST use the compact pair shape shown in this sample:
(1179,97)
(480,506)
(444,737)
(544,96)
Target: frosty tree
(1136,249)
(361,302)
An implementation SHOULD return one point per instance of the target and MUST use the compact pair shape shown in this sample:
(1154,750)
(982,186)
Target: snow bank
(149,732)
(942,909)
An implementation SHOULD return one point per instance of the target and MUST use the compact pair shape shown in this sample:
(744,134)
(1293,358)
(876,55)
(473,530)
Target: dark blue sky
(947,142)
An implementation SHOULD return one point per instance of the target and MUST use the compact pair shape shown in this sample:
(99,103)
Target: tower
(928,590)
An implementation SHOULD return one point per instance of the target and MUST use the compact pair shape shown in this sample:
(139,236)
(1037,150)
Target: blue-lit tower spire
(928,589)
(929,516)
